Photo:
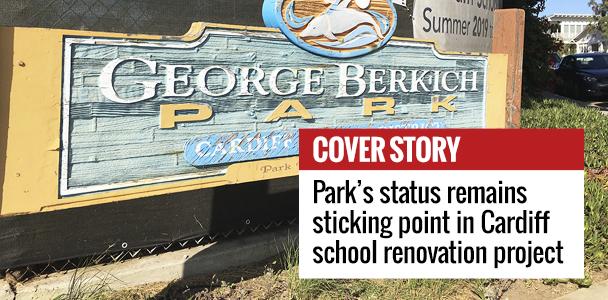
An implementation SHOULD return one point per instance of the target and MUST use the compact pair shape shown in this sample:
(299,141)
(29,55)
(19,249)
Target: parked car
(584,76)
(554,61)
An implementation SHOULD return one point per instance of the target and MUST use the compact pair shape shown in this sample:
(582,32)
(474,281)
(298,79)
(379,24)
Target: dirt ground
(260,281)
(268,281)
(540,290)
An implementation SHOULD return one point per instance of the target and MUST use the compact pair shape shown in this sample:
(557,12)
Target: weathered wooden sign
(168,122)
(141,112)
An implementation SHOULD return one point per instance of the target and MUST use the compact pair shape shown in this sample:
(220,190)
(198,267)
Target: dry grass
(87,284)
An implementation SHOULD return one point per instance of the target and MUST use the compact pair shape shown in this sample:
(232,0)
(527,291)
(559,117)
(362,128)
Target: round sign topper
(333,28)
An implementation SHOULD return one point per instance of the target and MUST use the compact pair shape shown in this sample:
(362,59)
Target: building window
(572,30)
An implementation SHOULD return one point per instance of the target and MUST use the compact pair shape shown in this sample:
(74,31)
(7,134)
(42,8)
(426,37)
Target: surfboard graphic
(333,28)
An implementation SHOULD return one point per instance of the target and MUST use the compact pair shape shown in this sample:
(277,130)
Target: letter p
(170,116)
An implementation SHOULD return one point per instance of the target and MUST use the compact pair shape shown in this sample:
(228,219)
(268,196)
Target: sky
(567,7)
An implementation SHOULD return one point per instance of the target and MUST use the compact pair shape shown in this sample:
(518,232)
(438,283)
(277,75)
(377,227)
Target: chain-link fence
(116,254)
(165,17)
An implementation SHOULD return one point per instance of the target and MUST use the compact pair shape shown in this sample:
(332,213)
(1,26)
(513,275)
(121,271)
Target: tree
(539,45)
(600,9)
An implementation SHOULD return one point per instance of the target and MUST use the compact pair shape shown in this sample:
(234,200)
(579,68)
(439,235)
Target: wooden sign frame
(32,168)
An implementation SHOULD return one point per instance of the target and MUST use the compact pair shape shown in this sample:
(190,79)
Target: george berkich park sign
(139,112)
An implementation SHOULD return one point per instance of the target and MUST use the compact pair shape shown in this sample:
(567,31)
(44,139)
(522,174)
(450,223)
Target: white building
(590,40)
(576,34)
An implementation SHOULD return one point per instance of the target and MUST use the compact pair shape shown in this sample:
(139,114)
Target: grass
(369,289)
(562,114)
(596,224)
(87,283)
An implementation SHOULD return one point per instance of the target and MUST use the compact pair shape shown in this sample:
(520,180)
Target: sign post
(509,25)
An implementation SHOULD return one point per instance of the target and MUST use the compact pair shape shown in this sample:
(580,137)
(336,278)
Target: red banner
(442,149)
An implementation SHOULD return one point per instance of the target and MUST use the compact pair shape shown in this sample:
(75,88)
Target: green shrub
(563,114)
(538,44)
(536,114)
(596,224)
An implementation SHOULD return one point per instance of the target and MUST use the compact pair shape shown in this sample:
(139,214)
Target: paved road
(596,291)
(602,106)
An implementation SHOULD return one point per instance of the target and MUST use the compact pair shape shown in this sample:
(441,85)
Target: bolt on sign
(223,104)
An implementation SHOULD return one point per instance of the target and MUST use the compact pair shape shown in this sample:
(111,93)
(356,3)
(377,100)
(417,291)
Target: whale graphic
(339,20)
(342,29)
